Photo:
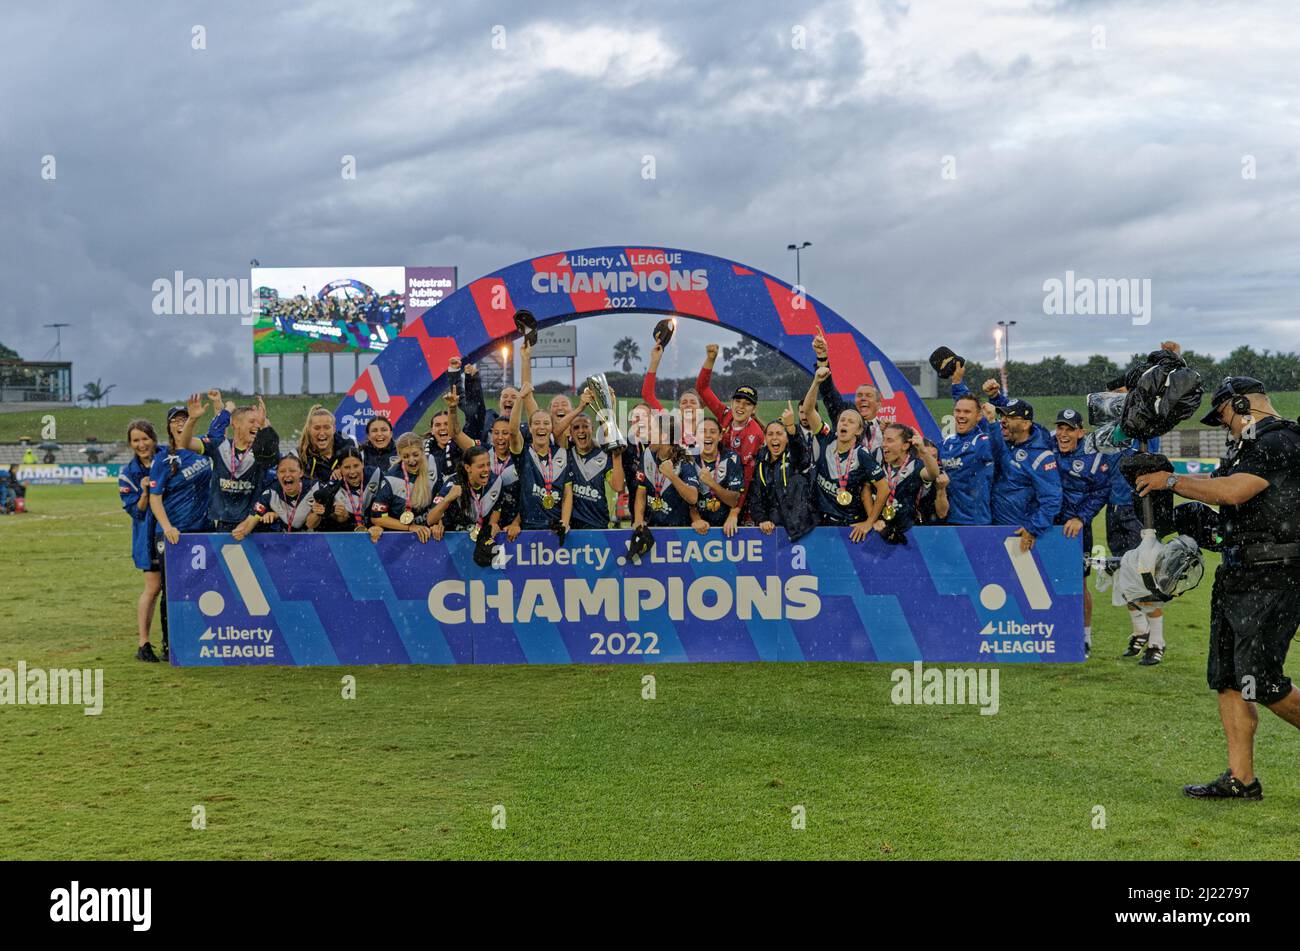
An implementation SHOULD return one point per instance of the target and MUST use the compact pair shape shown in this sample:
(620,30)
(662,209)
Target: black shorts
(1123,529)
(576,524)
(1250,631)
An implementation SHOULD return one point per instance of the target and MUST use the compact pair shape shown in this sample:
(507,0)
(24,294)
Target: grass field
(585,768)
(287,413)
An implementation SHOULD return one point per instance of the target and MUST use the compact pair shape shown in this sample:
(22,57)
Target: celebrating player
(668,485)
(240,461)
(849,485)
(866,400)
(780,492)
(589,465)
(351,496)
(475,501)
(546,493)
(320,444)
(285,505)
(722,481)
(378,449)
(742,433)
(906,466)
(405,498)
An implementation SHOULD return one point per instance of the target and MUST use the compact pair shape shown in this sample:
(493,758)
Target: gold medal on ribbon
(844,497)
(473,534)
(547,501)
(406,518)
(658,505)
(713,505)
(891,509)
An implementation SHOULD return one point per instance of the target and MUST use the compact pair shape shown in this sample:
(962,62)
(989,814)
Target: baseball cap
(746,393)
(1071,417)
(1016,409)
(177,411)
(1230,387)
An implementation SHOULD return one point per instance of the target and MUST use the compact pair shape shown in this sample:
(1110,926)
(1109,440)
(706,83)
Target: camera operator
(1255,603)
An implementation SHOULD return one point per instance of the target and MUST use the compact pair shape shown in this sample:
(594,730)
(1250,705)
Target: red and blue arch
(408,375)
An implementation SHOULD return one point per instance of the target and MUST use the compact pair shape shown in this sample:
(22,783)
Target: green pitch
(284,767)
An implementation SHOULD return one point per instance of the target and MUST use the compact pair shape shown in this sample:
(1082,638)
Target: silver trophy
(607,433)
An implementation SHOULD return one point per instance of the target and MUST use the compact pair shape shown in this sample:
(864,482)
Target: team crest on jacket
(1077,465)
(1021,455)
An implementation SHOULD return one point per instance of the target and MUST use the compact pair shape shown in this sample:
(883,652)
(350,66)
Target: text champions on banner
(950,594)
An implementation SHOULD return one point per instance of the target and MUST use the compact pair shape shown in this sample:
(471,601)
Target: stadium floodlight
(797,248)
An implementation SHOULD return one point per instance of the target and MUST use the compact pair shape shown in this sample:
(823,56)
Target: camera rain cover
(1167,392)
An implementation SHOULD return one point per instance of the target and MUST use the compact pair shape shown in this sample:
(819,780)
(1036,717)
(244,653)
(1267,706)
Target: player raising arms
(545,492)
(845,474)
(688,404)
(866,400)
(742,433)
(240,461)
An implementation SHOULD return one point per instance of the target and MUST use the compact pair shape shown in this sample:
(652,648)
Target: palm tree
(95,393)
(627,351)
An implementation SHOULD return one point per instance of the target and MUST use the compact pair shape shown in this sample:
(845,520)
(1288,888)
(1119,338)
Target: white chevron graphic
(1027,573)
(245,581)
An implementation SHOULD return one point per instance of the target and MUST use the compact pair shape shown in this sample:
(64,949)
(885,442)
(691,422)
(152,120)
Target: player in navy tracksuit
(1027,485)
(1085,486)
(967,459)
(133,489)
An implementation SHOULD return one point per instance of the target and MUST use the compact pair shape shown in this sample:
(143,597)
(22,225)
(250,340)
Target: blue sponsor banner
(948,595)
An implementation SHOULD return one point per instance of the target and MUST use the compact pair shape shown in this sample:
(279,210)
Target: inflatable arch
(407,376)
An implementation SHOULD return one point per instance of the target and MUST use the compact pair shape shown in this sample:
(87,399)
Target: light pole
(798,271)
(1005,327)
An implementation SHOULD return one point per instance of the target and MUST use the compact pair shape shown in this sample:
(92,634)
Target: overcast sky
(1107,139)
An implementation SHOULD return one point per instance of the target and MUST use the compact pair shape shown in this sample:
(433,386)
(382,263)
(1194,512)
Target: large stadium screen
(341,309)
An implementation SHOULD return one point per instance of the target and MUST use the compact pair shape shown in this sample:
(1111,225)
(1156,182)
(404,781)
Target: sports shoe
(166,654)
(1152,656)
(1226,786)
(1135,644)
(146,653)
(1087,650)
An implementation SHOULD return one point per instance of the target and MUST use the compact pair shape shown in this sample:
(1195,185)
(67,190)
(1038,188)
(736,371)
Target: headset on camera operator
(1255,602)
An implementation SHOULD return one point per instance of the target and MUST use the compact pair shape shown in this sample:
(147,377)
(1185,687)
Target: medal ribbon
(892,477)
(833,464)
(356,512)
(292,509)
(237,459)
